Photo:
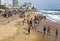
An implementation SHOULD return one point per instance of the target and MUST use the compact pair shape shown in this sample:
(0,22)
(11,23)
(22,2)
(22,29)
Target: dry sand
(15,32)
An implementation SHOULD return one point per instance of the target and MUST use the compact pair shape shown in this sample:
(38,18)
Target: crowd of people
(32,25)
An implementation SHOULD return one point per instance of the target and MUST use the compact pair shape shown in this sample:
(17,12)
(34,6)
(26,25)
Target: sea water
(52,15)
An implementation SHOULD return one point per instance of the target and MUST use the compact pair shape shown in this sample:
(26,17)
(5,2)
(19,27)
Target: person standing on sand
(56,32)
(48,30)
(30,23)
(44,17)
(44,30)
(33,25)
(28,30)
(29,26)
(23,21)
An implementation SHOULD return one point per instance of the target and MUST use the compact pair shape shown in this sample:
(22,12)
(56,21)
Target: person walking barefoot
(48,30)
(29,30)
(56,32)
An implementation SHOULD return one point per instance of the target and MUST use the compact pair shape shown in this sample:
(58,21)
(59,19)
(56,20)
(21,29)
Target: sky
(39,4)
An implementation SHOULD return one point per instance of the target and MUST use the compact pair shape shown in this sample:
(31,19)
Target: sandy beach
(15,31)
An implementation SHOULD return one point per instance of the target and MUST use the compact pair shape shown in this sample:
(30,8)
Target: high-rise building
(15,3)
(0,2)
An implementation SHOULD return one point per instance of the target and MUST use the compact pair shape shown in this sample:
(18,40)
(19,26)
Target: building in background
(28,5)
(15,3)
(0,2)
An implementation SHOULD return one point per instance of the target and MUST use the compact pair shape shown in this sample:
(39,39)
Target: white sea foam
(54,18)
(47,11)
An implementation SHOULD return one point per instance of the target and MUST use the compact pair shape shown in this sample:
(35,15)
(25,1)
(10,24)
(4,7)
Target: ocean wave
(50,12)
(52,17)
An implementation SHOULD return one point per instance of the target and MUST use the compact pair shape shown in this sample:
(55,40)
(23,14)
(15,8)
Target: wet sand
(53,26)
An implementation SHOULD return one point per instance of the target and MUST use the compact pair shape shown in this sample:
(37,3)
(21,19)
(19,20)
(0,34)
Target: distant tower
(15,3)
(0,2)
